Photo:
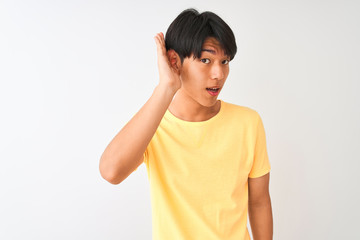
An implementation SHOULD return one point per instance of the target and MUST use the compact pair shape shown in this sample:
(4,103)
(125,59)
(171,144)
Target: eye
(205,60)
(225,62)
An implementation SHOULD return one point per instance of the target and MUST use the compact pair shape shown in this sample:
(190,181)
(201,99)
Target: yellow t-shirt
(198,173)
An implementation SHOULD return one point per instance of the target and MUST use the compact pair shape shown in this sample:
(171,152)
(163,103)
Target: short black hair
(187,33)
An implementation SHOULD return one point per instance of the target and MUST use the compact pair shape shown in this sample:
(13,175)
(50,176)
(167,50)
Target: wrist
(167,89)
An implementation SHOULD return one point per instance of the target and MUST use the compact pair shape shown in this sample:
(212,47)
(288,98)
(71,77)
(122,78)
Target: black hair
(187,33)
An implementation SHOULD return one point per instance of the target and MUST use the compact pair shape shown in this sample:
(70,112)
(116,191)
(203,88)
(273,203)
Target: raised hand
(168,71)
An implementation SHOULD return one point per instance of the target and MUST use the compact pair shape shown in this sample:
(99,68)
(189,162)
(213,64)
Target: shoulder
(238,111)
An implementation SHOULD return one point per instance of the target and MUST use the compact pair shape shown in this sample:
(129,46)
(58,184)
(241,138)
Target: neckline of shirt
(171,116)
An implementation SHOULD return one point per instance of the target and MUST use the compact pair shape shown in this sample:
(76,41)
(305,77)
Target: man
(206,159)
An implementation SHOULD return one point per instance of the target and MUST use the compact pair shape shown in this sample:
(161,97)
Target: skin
(260,211)
(192,101)
(182,90)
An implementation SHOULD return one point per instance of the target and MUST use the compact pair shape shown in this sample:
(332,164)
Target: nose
(217,72)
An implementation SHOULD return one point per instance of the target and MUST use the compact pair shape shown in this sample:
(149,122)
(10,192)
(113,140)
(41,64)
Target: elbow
(108,173)
(111,179)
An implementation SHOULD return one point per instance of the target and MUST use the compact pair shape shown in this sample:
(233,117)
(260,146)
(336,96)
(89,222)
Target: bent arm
(260,212)
(125,152)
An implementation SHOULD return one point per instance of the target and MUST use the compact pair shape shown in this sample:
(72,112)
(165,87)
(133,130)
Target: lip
(214,87)
(214,93)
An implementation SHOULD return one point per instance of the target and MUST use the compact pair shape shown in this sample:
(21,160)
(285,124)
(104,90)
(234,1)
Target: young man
(206,159)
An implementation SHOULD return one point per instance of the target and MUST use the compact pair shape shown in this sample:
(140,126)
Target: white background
(74,72)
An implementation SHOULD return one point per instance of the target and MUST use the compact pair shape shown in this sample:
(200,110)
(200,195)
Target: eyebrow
(208,50)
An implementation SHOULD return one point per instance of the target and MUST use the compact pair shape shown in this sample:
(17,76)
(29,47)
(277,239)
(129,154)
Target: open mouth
(213,91)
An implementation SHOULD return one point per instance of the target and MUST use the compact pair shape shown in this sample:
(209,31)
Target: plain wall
(74,72)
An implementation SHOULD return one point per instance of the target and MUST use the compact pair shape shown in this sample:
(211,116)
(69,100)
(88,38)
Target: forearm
(261,220)
(125,151)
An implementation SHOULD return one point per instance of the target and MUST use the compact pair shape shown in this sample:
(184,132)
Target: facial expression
(203,78)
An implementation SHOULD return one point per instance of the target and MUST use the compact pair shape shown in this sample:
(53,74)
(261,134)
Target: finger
(160,43)
(158,39)
(162,38)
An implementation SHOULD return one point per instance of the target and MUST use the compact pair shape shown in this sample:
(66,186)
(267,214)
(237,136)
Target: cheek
(192,76)
(226,72)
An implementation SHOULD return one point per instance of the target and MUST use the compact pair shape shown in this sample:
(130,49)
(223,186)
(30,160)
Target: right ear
(174,59)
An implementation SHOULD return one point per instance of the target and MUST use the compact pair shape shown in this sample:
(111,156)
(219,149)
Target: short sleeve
(145,155)
(261,164)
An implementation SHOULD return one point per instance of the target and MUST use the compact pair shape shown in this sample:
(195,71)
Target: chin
(208,103)
(204,100)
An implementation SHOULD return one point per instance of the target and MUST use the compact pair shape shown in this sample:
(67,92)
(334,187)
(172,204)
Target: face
(203,78)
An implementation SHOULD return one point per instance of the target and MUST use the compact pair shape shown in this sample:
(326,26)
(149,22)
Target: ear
(174,59)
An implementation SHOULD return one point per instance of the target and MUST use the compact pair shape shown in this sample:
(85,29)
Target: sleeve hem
(260,174)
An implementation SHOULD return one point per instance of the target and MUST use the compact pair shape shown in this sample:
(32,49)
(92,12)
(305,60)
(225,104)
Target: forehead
(212,45)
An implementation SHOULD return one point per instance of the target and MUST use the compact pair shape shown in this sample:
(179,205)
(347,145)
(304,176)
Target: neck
(188,109)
